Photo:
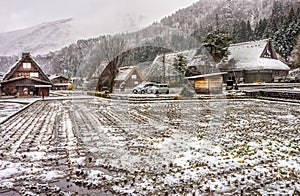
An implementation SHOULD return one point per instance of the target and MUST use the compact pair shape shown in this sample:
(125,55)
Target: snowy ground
(7,109)
(105,147)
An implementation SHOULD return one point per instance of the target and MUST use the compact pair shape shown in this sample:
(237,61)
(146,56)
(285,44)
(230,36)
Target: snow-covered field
(106,147)
(7,109)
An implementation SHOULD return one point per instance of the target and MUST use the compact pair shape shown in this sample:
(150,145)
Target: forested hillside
(187,28)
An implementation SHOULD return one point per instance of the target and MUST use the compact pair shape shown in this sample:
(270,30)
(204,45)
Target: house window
(26,65)
(133,76)
(34,74)
(136,82)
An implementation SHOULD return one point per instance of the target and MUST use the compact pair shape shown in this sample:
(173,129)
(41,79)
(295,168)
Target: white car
(159,89)
(142,88)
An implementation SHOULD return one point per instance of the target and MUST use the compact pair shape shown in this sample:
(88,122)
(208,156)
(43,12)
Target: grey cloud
(90,16)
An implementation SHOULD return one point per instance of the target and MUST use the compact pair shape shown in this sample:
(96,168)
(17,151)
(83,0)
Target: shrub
(71,87)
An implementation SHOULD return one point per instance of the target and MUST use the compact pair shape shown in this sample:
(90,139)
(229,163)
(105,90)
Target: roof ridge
(18,62)
(250,42)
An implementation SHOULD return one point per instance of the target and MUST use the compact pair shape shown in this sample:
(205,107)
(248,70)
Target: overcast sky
(93,16)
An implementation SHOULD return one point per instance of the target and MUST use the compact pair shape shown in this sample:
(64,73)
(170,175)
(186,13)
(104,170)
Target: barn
(25,78)
(253,62)
(208,83)
(128,77)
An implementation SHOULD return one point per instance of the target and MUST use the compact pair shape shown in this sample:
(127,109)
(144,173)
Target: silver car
(142,88)
(159,89)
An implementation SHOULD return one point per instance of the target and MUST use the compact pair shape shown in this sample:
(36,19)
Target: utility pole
(164,66)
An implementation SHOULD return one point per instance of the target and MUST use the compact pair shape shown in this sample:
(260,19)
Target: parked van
(159,89)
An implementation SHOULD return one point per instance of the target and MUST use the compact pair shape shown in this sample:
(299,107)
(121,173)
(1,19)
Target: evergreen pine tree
(285,38)
(276,19)
(260,29)
(249,32)
(217,44)
(180,64)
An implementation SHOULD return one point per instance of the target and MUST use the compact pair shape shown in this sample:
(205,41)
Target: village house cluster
(249,62)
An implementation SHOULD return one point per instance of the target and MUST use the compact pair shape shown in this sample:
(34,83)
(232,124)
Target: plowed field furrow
(15,138)
(13,126)
(160,148)
(28,128)
(47,127)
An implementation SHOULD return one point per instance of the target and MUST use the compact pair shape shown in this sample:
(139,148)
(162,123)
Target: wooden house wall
(21,71)
(60,80)
(201,85)
(24,87)
(209,84)
(256,76)
(59,87)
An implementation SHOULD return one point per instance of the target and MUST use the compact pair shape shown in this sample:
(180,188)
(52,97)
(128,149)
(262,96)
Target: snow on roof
(248,56)
(206,75)
(262,64)
(14,66)
(56,76)
(100,69)
(247,50)
(10,69)
(124,72)
(62,84)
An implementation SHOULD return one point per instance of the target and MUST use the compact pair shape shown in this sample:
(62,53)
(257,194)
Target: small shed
(208,83)
(59,82)
(128,77)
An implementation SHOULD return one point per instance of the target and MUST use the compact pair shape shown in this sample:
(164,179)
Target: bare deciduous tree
(110,47)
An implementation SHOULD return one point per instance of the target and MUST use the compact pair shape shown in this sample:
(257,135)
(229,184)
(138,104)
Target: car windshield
(148,85)
(143,85)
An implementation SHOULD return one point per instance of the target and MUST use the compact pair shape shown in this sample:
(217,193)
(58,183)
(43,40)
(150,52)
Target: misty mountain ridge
(40,39)
(175,32)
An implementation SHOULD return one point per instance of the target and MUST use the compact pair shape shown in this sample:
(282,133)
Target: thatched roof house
(254,61)
(26,78)
(128,77)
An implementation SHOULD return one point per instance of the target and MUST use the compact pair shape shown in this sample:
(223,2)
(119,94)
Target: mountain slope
(174,32)
(40,39)
(207,14)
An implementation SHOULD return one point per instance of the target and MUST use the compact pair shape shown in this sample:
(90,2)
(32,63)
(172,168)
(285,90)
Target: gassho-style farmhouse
(25,78)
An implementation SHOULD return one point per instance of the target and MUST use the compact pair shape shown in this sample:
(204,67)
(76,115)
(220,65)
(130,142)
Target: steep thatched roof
(126,71)
(255,55)
(11,71)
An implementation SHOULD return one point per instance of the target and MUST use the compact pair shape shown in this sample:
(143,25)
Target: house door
(35,91)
